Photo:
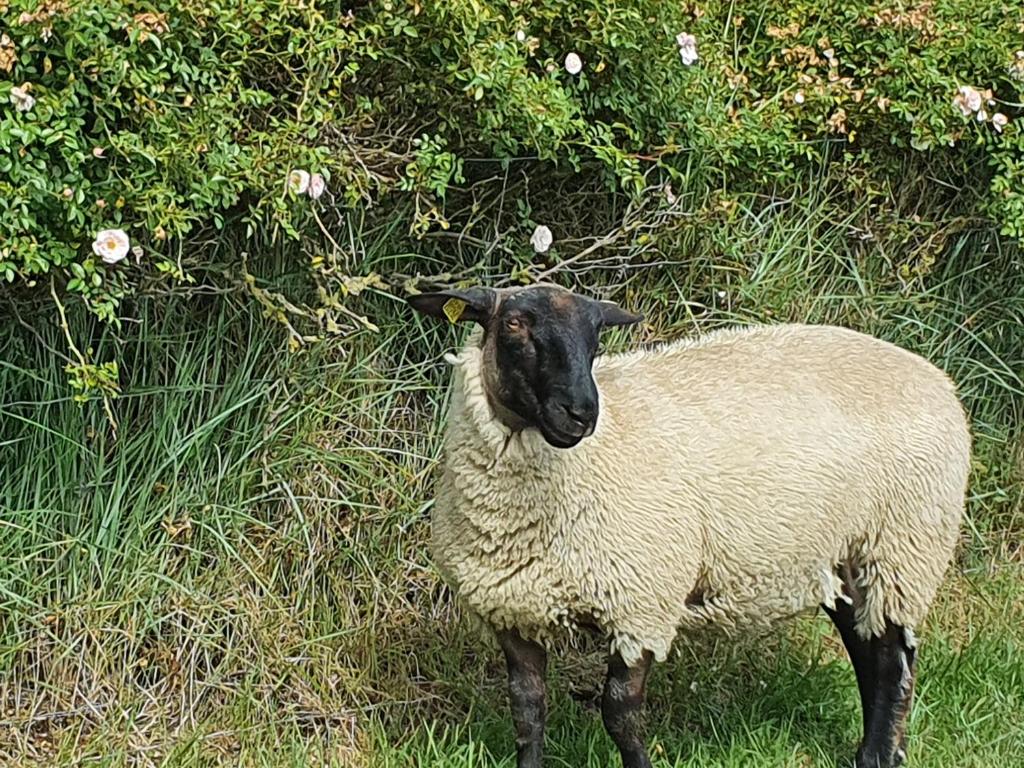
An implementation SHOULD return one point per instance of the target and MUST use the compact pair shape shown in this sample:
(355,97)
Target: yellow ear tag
(453,309)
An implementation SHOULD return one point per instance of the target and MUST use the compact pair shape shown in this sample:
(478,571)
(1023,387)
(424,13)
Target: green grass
(242,577)
(784,700)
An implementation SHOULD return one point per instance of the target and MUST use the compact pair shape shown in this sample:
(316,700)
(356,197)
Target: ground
(787,701)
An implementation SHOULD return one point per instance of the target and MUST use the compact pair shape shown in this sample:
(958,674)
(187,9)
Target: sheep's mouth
(562,437)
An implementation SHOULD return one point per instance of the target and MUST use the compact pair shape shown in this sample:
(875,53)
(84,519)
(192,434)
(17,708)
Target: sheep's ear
(613,314)
(473,304)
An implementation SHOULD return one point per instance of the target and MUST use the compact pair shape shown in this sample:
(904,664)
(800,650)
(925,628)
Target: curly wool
(731,481)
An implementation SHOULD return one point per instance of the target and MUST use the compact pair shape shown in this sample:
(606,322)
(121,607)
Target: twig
(81,358)
(601,243)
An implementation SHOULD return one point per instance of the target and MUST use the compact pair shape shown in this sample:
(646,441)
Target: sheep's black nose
(577,413)
(581,413)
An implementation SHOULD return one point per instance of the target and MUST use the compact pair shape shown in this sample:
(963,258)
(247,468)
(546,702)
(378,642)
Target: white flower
(111,245)
(45,34)
(999,121)
(670,196)
(573,64)
(799,97)
(973,98)
(317,186)
(982,116)
(687,48)
(22,100)
(968,100)
(298,181)
(541,239)
(137,252)
(521,36)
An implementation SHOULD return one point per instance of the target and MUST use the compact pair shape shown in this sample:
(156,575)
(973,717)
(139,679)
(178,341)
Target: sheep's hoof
(870,758)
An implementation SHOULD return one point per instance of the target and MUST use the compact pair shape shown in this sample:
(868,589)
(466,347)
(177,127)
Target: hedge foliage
(174,118)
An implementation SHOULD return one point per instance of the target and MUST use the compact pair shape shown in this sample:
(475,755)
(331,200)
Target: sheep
(724,482)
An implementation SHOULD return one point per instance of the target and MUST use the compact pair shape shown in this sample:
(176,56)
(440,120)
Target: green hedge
(171,119)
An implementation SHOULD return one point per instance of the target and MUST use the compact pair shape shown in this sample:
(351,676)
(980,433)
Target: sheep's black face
(540,345)
(544,346)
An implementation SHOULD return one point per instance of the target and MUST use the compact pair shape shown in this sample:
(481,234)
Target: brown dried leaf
(8,54)
(784,33)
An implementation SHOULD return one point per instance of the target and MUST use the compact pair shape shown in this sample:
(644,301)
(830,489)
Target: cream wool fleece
(731,481)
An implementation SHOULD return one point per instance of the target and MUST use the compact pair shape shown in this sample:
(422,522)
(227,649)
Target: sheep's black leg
(884,743)
(527,666)
(885,676)
(622,708)
(862,655)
